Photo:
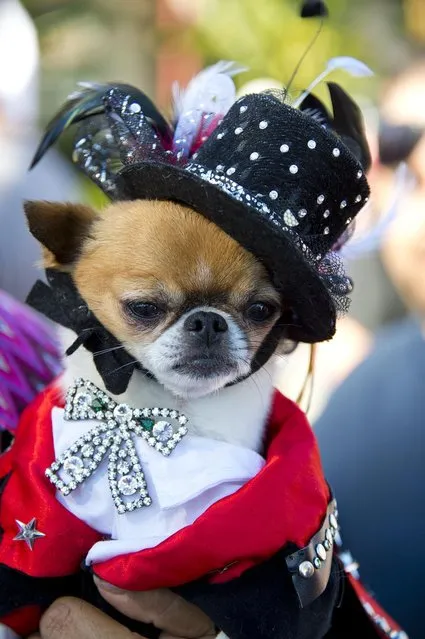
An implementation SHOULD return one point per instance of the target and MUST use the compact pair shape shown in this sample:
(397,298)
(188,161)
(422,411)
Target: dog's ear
(61,229)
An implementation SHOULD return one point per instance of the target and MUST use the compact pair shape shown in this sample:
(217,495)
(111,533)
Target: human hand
(68,618)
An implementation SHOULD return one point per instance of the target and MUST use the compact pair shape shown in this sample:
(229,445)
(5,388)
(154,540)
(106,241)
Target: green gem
(97,404)
(147,424)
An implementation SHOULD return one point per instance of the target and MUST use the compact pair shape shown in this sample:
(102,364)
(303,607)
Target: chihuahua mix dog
(185,299)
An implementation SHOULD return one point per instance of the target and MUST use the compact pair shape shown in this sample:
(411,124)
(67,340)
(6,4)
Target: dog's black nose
(207,326)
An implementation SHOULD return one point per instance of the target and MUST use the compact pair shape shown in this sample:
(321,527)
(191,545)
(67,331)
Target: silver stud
(326,545)
(358,198)
(326,230)
(321,552)
(326,213)
(293,169)
(311,144)
(320,199)
(302,212)
(135,108)
(273,195)
(284,148)
(231,170)
(263,124)
(238,130)
(343,204)
(317,563)
(336,152)
(359,174)
(243,108)
(333,522)
(254,155)
(306,569)
(289,218)
(329,536)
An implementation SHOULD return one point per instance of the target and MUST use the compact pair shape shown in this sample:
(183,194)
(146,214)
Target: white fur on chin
(236,414)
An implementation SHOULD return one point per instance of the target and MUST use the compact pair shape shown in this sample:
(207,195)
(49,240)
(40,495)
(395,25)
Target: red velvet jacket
(286,502)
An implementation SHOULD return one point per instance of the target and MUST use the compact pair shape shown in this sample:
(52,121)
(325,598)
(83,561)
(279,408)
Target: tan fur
(60,228)
(156,251)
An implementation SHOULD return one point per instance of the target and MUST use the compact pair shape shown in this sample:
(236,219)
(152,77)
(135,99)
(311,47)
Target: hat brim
(298,282)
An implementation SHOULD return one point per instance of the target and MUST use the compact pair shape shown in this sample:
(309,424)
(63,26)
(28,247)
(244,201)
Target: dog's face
(185,299)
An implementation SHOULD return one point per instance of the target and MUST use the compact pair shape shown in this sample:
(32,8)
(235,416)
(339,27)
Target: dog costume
(85,487)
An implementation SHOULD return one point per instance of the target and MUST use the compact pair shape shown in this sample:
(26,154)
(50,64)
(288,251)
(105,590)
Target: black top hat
(279,180)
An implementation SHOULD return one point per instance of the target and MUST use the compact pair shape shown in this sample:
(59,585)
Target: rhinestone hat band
(239,193)
(113,439)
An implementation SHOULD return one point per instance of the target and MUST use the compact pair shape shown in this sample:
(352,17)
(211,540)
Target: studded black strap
(311,566)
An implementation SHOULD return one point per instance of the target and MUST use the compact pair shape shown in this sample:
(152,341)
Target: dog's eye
(260,312)
(143,310)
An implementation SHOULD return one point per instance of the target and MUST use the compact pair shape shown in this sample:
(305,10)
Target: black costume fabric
(61,302)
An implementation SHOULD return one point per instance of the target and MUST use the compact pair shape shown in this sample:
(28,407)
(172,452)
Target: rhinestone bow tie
(113,438)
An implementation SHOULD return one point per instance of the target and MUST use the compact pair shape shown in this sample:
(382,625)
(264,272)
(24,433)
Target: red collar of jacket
(284,503)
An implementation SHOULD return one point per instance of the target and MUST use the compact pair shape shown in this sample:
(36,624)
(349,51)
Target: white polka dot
(273,195)
(302,212)
(358,198)
(293,169)
(320,199)
(348,221)
(230,171)
(219,167)
(243,108)
(254,156)
(326,230)
(135,108)
(239,130)
(284,148)
(336,152)
(359,174)
(220,136)
(289,218)
(263,124)
(311,144)
(343,204)
(326,213)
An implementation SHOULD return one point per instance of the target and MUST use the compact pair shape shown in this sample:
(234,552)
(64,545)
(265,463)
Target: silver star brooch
(28,532)
(113,439)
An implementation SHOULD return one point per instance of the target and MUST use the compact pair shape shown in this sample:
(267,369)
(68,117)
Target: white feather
(352,66)
(212,92)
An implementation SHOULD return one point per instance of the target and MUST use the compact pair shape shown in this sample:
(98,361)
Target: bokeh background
(47,46)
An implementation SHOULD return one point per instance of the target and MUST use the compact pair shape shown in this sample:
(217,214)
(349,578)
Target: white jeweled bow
(113,437)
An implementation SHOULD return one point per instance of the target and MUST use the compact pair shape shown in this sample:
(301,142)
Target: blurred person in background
(372,432)
(19,62)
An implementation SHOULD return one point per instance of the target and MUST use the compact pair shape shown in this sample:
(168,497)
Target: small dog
(182,297)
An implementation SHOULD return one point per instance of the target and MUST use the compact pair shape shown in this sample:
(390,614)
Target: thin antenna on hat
(310,9)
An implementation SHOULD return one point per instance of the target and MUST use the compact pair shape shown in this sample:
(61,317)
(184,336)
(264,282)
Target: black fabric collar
(60,301)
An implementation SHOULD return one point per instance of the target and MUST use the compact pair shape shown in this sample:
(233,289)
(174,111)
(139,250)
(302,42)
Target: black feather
(88,102)
(348,123)
(314,108)
(314,9)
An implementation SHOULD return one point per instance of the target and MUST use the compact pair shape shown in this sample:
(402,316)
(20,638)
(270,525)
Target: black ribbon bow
(61,302)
